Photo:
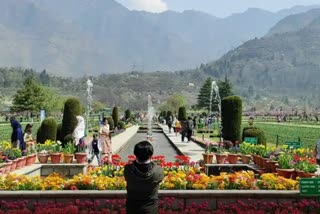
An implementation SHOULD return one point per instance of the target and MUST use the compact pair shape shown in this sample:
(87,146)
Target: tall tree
(31,97)
(225,88)
(204,94)
(173,103)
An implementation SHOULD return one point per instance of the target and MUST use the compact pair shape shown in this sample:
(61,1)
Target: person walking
(143,178)
(95,149)
(79,134)
(183,124)
(104,133)
(17,140)
(190,127)
(177,127)
(169,122)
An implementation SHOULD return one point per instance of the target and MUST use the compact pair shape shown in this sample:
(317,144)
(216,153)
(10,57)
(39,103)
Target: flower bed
(166,206)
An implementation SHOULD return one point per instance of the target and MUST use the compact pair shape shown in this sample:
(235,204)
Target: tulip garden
(179,175)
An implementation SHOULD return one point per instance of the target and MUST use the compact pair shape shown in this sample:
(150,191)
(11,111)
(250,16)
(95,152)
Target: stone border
(175,147)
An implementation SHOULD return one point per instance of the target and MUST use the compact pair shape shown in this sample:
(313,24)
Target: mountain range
(286,61)
(77,37)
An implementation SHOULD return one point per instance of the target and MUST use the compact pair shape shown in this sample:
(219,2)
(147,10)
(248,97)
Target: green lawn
(284,132)
(6,130)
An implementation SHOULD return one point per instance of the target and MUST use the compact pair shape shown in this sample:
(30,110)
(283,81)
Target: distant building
(191,84)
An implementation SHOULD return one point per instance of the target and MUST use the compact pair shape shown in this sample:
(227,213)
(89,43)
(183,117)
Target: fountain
(217,99)
(89,102)
(150,116)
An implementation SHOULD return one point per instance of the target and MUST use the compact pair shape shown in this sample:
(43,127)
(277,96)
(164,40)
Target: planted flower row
(166,206)
(111,177)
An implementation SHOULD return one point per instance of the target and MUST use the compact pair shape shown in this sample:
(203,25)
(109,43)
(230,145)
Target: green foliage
(225,88)
(305,166)
(231,113)
(204,94)
(182,114)
(173,103)
(47,130)
(121,125)
(169,114)
(72,108)
(111,123)
(285,161)
(69,148)
(59,132)
(254,132)
(115,115)
(127,114)
(98,106)
(29,98)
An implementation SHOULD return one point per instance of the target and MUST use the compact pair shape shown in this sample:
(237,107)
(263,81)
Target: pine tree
(30,98)
(225,88)
(204,94)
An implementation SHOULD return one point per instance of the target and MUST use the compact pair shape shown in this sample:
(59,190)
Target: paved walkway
(191,149)
(118,141)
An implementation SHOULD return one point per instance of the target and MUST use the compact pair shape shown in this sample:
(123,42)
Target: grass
(275,132)
(6,130)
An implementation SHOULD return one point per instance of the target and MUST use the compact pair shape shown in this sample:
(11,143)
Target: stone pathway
(191,149)
(118,141)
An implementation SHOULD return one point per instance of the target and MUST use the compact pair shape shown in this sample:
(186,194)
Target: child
(95,149)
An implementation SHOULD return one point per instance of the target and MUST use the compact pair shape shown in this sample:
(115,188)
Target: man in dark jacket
(190,126)
(143,178)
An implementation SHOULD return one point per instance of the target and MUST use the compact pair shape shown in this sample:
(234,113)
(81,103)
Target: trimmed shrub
(254,132)
(59,132)
(231,113)
(182,114)
(169,113)
(47,130)
(121,125)
(111,123)
(127,114)
(115,115)
(72,108)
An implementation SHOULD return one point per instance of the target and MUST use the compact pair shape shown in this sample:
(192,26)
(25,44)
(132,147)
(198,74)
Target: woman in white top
(105,138)
(79,132)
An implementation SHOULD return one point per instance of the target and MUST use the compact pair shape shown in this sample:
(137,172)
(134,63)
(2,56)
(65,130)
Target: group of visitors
(183,127)
(21,139)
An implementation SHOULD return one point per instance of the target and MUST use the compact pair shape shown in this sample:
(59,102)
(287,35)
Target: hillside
(285,64)
(294,22)
(77,37)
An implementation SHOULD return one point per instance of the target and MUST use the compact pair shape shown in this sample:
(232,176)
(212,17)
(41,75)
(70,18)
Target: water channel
(159,141)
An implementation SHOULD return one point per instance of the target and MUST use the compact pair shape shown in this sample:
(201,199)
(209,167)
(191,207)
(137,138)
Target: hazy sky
(220,8)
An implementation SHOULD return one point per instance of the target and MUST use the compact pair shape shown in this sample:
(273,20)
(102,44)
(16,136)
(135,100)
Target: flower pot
(43,158)
(24,161)
(13,165)
(287,173)
(8,167)
(255,161)
(233,158)
(55,158)
(30,159)
(260,161)
(68,158)
(20,162)
(207,158)
(265,163)
(272,166)
(246,159)
(302,174)
(221,159)
(81,157)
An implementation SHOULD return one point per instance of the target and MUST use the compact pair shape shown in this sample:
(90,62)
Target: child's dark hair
(95,135)
(143,151)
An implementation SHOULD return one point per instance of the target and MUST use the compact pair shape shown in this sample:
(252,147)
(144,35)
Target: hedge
(254,132)
(47,130)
